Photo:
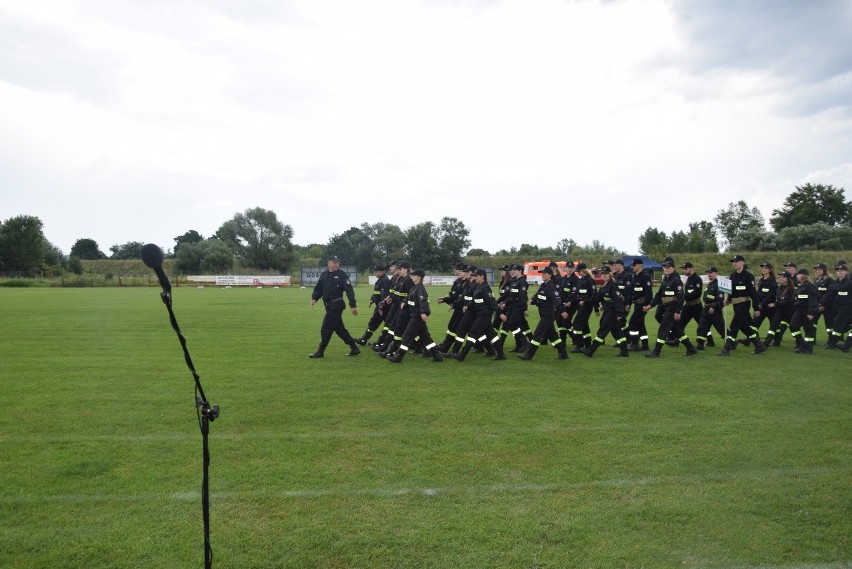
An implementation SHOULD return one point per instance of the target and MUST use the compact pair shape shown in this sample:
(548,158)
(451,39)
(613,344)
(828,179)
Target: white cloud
(140,121)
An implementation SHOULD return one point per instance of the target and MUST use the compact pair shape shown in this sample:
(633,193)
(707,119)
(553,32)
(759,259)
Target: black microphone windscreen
(152,255)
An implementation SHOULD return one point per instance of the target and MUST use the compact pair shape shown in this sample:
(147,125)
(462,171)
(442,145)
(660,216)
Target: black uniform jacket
(331,286)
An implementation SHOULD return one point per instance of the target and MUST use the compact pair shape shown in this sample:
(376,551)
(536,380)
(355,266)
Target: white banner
(724,284)
(242,280)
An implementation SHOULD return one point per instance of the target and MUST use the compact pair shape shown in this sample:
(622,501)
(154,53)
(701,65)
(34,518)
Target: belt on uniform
(740,299)
(668,300)
(693,302)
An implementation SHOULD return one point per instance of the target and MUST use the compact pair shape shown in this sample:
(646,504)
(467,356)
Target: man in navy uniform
(331,286)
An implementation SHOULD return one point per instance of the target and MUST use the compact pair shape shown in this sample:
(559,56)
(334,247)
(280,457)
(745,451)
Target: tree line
(813,217)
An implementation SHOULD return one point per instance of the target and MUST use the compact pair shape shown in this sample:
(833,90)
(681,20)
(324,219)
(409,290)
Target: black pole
(206,414)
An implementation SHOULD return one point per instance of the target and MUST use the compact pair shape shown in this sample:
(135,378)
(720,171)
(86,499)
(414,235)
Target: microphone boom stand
(206,414)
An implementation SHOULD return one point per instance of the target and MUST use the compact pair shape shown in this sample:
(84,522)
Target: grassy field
(700,462)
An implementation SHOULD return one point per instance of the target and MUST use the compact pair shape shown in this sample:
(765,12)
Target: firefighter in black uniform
(468,316)
(839,295)
(805,313)
(785,298)
(380,293)
(417,305)
(403,288)
(389,308)
(624,280)
(641,295)
(584,289)
(767,292)
(331,286)
(565,290)
(515,306)
(691,296)
(548,301)
(823,283)
(612,302)
(743,292)
(482,305)
(453,301)
(712,314)
(670,298)
(500,317)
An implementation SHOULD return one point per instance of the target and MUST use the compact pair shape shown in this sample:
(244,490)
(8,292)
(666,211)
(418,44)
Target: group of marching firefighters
(565,303)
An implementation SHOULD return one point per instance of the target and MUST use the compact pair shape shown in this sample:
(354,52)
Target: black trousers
(376,319)
(800,320)
(332,323)
(708,321)
(545,331)
(741,322)
(668,325)
(581,320)
(637,329)
(481,330)
(842,320)
(690,313)
(417,329)
(610,325)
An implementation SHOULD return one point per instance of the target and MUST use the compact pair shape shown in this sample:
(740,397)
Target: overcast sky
(530,121)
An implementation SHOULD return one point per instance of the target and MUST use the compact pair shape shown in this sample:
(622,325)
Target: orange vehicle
(533,269)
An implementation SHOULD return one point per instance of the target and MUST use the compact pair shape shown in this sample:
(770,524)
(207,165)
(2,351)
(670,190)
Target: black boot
(832,342)
(800,344)
(462,354)
(362,341)
(699,344)
(498,350)
(711,343)
(528,355)
(848,345)
(623,353)
(318,354)
(690,349)
(590,351)
(645,347)
(726,350)
(436,355)
(562,351)
(392,347)
(353,349)
(759,347)
(397,356)
(807,348)
(658,347)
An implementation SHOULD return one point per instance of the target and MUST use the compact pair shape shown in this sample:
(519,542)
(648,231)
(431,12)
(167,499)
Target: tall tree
(259,240)
(191,236)
(353,247)
(452,237)
(422,246)
(653,242)
(813,203)
(87,249)
(388,242)
(210,257)
(735,219)
(701,238)
(130,250)
(21,244)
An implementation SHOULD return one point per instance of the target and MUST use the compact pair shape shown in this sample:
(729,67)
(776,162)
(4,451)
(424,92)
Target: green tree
(353,247)
(54,258)
(209,257)
(191,236)
(130,250)
(388,242)
(87,250)
(75,265)
(755,239)
(566,248)
(736,218)
(813,203)
(478,253)
(452,237)
(816,236)
(422,247)
(653,242)
(22,244)
(259,240)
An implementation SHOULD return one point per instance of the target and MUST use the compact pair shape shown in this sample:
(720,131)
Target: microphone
(152,256)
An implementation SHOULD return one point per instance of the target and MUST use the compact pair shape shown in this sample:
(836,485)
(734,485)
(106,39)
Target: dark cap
(581,266)
(459,266)
(737,258)
(470,269)
(610,262)
(334,258)
(785,275)
(605,269)
(821,266)
(637,261)
(570,265)
(403,264)
(669,259)
(547,270)
(618,261)
(517,267)
(480,272)
(505,267)
(553,264)
(418,273)
(393,263)
(687,265)
(712,270)
(790,264)
(803,271)
(379,268)
(464,268)
(767,265)
(841,267)
(667,263)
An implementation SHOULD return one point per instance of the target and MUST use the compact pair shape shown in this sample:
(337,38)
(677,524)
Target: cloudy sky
(530,120)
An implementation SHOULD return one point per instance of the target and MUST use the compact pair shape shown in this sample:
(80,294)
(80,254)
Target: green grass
(698,462)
